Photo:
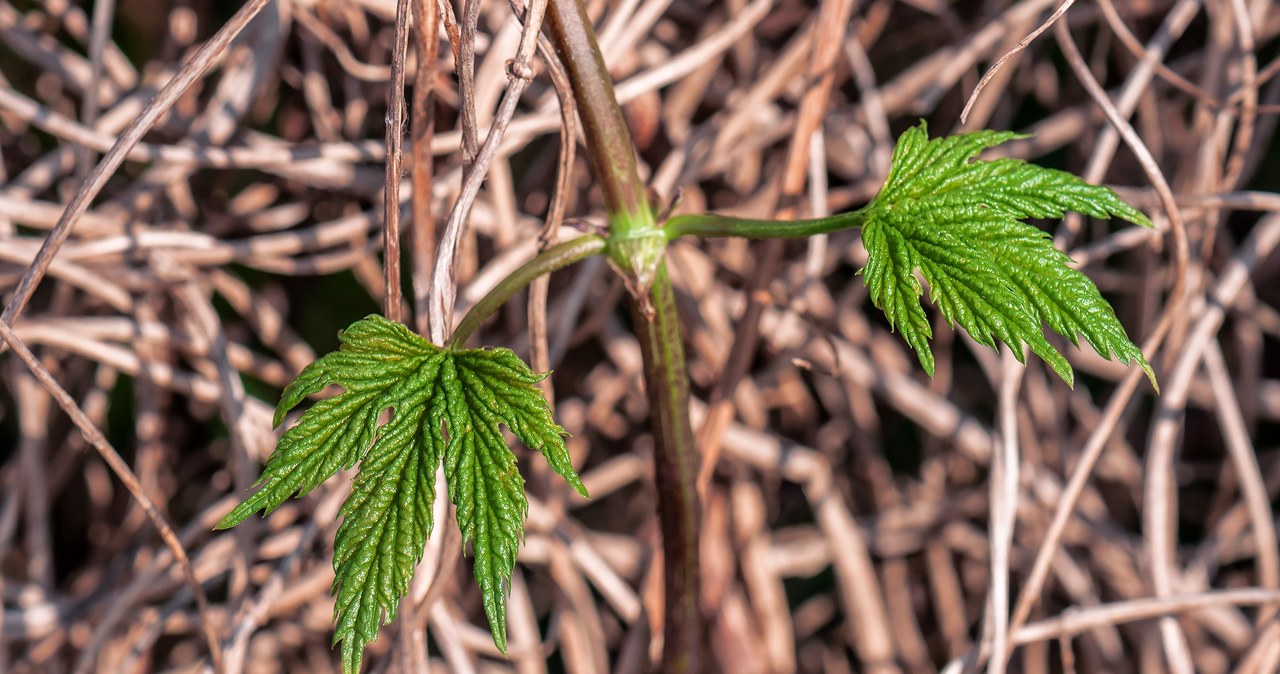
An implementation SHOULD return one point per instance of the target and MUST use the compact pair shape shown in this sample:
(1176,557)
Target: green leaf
(956,219)
(445,406)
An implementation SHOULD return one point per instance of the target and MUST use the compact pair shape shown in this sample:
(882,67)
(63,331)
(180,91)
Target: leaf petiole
(552,259)
(711,225)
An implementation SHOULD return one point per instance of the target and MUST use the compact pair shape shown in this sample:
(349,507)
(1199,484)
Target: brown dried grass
(858,515)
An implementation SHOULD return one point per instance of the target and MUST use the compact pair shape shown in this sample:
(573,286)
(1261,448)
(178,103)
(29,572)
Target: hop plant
(942,212)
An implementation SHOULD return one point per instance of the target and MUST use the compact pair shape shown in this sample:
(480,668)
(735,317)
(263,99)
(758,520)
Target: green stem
(675,462)
(549,260)
(612,153)
(708,225)
(635,248)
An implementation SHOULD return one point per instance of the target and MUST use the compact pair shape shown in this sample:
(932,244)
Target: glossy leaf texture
(957,220)
(446,406)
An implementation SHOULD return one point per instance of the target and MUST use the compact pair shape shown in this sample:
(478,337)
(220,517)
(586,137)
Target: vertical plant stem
(657,326)
(609,143)
(675,463)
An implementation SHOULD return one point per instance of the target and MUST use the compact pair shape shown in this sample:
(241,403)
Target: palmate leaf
(446,405)
(956,219)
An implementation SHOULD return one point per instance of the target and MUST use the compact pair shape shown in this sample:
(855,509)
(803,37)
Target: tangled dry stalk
(858,516)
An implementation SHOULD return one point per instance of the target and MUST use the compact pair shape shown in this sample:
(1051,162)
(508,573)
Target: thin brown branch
(126,476)
(422,171)
(194,69)
(393,301)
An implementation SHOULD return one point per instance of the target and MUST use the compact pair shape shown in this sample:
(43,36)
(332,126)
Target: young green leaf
(957,220)
(446,405)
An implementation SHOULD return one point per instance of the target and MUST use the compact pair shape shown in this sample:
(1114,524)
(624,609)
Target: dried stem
(392,301)
(127,477)
(444,285)
(422,128)
(200,62)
